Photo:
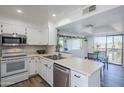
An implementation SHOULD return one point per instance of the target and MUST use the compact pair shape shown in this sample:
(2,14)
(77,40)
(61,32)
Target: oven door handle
(9,61)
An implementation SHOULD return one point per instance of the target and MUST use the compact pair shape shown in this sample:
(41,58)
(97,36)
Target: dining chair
(92,56)
(102,57)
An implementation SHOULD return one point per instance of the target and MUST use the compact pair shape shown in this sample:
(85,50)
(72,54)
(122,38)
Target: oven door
(12,67)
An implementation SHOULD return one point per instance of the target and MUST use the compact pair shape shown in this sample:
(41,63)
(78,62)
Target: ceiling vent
(89,9)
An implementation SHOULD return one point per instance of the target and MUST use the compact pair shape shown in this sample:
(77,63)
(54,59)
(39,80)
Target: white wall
(90,44)
(85,48)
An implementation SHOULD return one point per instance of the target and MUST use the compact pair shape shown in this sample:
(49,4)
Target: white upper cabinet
(0,27)
(44,36)
(52,34)
(49,35)
(34,36)
(11,28)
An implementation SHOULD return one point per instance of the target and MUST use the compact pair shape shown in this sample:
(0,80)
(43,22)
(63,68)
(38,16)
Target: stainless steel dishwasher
(61,76)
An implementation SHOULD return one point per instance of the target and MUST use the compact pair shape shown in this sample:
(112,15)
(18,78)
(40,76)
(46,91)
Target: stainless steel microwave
(13,39)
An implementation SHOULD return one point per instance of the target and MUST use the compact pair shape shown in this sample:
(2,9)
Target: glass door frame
(122,48)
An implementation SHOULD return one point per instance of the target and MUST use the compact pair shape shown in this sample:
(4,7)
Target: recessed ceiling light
(19,11)
(54,15)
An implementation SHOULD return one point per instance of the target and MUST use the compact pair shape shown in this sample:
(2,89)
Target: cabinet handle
(77,76)
(1,26)
(49,67)
(25,29)
(45,65)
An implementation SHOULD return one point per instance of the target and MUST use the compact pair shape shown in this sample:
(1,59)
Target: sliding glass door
(112,45)
(114,49)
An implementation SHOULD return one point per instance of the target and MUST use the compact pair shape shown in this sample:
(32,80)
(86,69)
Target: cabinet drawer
(78,80)
(14,79)
(49,64)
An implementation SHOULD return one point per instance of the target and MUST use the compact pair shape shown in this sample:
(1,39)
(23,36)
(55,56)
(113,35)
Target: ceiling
(108,22)
(36,14)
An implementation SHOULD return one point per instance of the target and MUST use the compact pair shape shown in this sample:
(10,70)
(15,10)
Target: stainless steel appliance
(61,76)
(0,57)
(14,67)
(13,39)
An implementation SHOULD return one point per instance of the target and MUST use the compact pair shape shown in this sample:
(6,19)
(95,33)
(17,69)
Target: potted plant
(97,49)
(58,46)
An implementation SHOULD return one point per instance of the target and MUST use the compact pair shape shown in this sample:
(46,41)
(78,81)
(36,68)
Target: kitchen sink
(54,57)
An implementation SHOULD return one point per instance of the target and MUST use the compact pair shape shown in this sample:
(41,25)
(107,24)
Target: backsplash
(32,49)
(51,49)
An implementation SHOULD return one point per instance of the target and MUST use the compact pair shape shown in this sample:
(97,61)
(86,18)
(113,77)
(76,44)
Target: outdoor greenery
(113,46)
(73,37)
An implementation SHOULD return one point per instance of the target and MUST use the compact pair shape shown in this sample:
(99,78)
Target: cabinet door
(40,67)
(44,36)
(19,29)
(33,36)
(32,66)
(78,80)
(44,70)
(36,63)
(52,34)
(11,28)
(50,73)
(1,27)
(7,28)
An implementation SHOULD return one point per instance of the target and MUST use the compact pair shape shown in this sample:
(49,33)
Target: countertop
(83,66)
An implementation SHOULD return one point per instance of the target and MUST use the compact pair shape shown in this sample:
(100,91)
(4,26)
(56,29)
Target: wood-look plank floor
(35,81)
(113,77)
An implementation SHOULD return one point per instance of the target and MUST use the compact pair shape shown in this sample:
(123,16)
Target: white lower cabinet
(49,71)
(39,66)
(46,71)
(32,66)
(42,67)
(78,80)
